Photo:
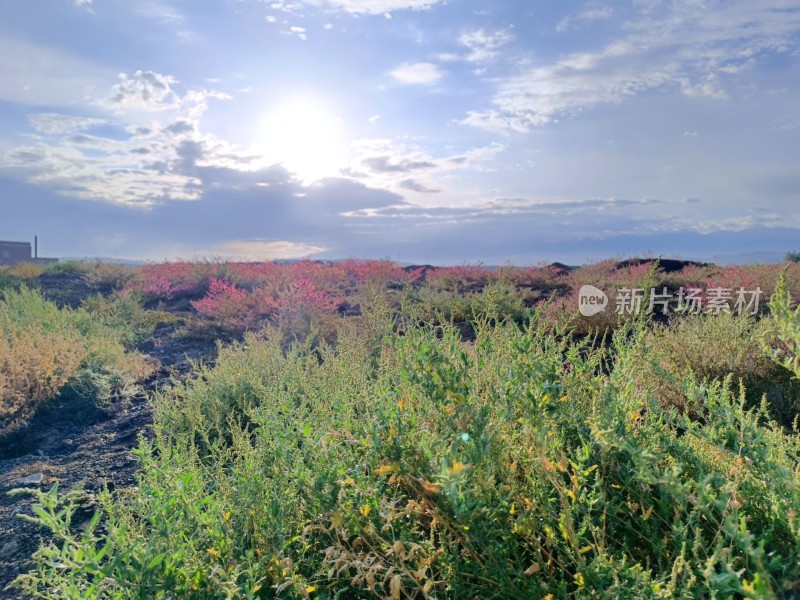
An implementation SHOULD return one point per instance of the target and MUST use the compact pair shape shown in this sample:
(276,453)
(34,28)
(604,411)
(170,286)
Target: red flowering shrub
(305,295)
(171,280)
(233,310)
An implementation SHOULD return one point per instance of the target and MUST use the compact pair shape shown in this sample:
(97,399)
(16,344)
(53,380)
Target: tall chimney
(36,246)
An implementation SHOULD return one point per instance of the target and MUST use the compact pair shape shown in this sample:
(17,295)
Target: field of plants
(372,431)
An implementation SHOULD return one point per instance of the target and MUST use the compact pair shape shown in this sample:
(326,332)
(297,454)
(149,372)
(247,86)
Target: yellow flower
(458,467)
(214,552)
(365,510)
(449,410)
(256,587)
(513,510)
(548,597)
(227,516)
(392,430)
(564,398)
(571,494)
(579,580)
(402,404)
(310,589)
(586,549)
(384,469)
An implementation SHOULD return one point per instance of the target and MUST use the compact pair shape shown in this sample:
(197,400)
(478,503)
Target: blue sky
(419,130)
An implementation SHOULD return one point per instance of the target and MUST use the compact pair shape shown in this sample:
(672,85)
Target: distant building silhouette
(12,253)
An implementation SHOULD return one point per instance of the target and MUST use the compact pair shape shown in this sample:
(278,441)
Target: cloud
(672,45)
(160,12)
(417,73)
(300,32)
(264,250)
(415,186)
(168,16)
(483,46)
(375,7)
(55,123)
(124,161)
(384,164)
(81,3)
(590,14)
(180,127)
(146,90)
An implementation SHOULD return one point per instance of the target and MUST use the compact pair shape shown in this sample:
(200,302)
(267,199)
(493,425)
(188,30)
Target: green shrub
(784,345)
(72,267)
(107,277)
(8,281)
(707,348)
(516,466)
(123,313)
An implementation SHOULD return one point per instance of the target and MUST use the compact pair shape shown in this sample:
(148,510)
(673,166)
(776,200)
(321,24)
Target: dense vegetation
(381,432)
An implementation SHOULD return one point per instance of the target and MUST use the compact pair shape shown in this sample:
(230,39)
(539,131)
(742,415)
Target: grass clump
(46,351)
(706,348)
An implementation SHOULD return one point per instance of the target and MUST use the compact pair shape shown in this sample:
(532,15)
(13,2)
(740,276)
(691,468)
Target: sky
(423,131)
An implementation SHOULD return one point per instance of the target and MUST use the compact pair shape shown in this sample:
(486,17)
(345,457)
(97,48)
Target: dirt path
(92,448)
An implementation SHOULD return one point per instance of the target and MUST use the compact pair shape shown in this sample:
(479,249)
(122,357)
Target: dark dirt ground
(81,447)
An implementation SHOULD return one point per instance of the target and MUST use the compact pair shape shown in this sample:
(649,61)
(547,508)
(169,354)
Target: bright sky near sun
(434,131)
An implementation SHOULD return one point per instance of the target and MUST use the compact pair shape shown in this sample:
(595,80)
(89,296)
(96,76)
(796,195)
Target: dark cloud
(180,127)
(416,186)
(271,204)
(384,164)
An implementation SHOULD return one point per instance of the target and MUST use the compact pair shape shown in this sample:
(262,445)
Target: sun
(305,137)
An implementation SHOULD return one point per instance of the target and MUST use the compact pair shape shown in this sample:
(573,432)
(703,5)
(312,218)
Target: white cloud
(590,14)
(169,17)
(160,12)
(86,3)
(676,44)
(54,123)
(145,90)
(298,31)
(412,171)
(417,73)
(136,159)
(260,250)
(375,7)
(483,45)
